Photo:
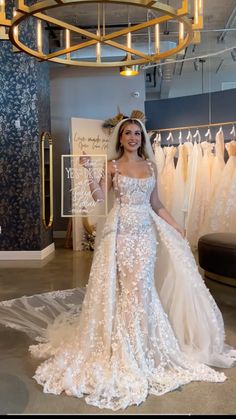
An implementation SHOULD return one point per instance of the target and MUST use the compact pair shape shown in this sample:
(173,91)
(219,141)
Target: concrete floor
(19,393)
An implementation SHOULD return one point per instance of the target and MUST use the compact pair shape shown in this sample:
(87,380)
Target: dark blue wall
(24,96)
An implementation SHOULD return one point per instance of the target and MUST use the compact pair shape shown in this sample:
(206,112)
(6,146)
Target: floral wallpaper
(24,98)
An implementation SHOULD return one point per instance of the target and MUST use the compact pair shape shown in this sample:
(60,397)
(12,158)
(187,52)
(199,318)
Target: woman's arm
(97,188)
(160,210)
(163,213)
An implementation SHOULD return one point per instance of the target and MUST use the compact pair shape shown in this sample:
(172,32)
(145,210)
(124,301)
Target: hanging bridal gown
(202,193)
(179,185)
(167,177)
(131,337)
(218,163)
(160,163)
(190,179)
(221,212)
(191,205)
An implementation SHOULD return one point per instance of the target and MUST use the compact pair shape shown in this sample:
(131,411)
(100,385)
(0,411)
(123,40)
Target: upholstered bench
(217,256)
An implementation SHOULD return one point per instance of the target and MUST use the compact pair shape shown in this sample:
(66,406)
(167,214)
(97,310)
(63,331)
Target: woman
(133,158)
(148,324)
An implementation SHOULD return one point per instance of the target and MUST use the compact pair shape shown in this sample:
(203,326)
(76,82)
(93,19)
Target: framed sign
(80,186)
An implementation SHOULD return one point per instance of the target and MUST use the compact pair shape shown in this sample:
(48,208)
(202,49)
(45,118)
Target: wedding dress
(191,204)
(179,186)
(160,164)
(190,178)
(218,163)
(167,176)
(201,194)
(222,208)
(147,324)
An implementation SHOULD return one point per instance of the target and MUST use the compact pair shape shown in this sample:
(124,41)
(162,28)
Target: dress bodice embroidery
(131,190)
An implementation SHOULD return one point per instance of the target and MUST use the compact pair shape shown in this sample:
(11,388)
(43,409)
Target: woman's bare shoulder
(110,164)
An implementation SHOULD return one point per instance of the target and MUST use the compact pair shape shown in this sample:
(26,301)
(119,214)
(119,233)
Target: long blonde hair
(115,151)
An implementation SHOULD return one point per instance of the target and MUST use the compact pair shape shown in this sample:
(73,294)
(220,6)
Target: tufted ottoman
(217,256)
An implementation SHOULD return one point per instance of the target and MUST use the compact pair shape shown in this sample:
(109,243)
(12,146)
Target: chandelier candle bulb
(39,36)
(67,36)
(129,44)
(16,27)
(2,9)
(181,32)
(157,38)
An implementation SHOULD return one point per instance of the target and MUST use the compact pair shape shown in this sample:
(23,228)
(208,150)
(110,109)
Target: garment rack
(196,126)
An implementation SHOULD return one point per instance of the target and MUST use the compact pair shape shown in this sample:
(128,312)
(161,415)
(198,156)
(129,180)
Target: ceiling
(218,34)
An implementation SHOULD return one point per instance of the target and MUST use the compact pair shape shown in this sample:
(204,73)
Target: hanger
(220,130)
(180,137)
(170,138)
(156,138)
(232,132)
(189,136)
(197,134)
(208,134)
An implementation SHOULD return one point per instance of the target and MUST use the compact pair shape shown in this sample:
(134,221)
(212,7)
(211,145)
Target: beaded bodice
(133,191)
(133,198)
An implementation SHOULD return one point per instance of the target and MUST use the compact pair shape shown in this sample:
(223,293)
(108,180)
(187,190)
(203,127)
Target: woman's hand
(181,230)
(85,161)
(163,213)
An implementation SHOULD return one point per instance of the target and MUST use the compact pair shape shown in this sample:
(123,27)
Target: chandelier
(188,18)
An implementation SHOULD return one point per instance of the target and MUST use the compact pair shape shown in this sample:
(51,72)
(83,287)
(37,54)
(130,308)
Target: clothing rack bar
(196,126)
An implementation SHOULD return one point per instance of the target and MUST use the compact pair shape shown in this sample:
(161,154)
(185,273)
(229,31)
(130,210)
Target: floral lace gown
(147,323)
(221,215)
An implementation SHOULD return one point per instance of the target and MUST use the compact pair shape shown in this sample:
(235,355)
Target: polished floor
(20,394)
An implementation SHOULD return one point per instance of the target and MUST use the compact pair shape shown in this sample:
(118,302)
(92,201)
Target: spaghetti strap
(150,166)
(115,165)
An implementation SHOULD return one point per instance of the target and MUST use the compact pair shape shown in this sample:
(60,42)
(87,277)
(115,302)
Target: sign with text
(86,136)
(83,185)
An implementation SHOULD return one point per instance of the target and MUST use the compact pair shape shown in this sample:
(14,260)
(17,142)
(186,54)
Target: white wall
(86,93)
(191,83)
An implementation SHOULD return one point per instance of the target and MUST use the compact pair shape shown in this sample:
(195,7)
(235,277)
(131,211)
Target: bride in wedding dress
(147,324)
